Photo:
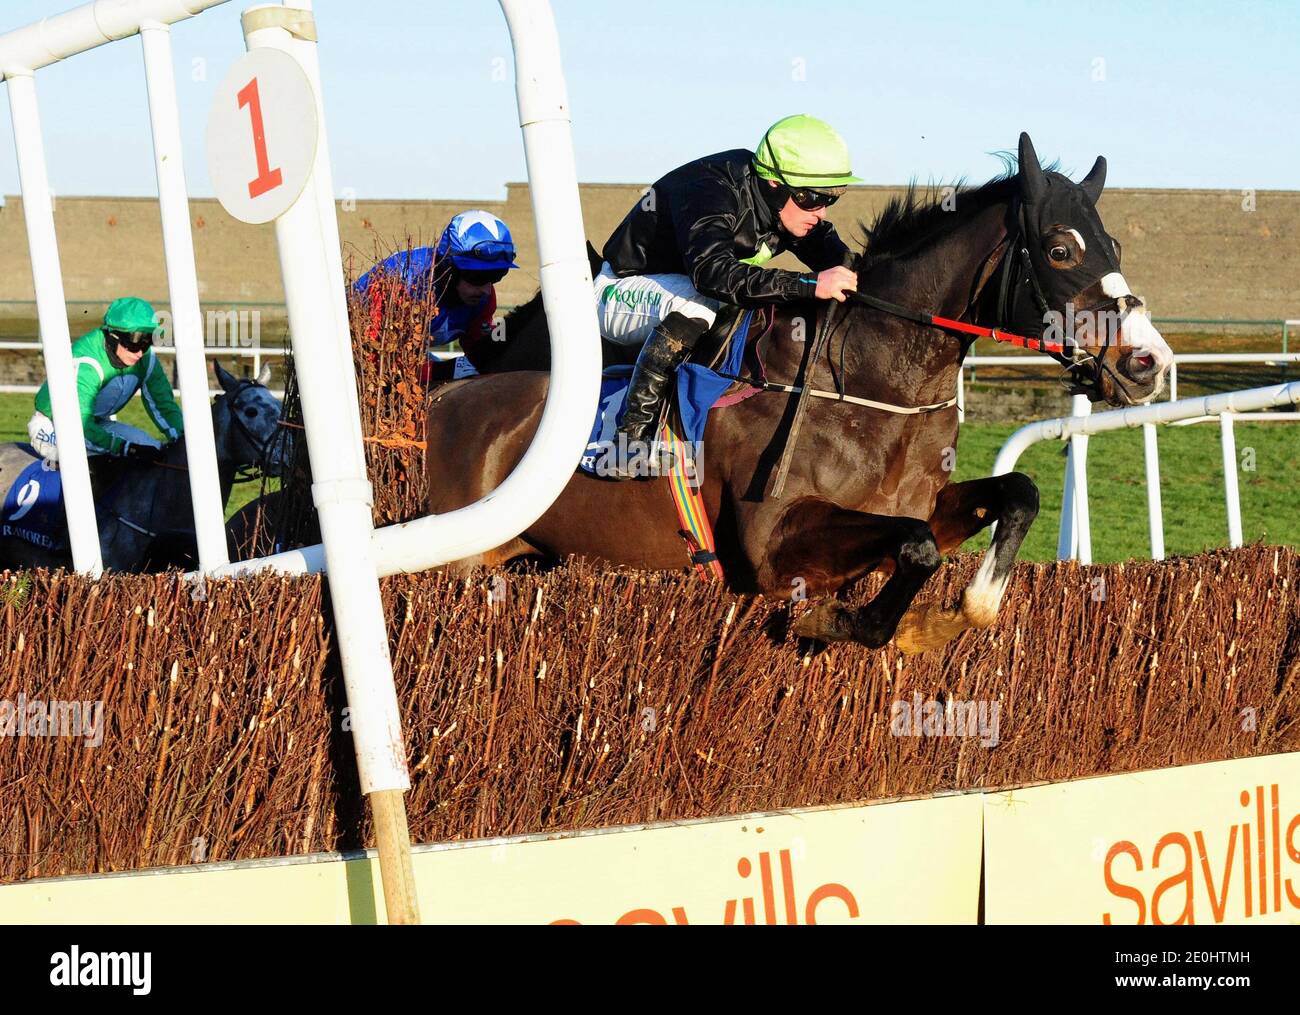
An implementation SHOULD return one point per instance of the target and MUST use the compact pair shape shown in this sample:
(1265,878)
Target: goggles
(488,251)
(487,277)
(132,341)
(811,200)
(807,198)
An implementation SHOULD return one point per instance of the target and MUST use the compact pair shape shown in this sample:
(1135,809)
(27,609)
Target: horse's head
(1063,282)
(246,417)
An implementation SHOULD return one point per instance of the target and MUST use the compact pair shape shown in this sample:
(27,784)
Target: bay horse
(867,488)
(146,520)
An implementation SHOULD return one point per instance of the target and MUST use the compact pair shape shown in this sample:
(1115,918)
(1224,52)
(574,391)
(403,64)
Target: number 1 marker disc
(261,136)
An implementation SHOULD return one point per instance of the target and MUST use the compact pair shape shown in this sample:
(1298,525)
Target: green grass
(1191,487)
(1191,483)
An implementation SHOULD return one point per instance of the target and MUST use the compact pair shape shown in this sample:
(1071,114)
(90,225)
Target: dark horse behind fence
(867,488)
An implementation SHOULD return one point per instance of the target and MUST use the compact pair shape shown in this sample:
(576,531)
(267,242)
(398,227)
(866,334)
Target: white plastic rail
(575,353)
(1225,405)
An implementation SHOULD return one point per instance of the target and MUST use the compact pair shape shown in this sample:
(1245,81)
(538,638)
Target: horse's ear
(1033,184)
(1095,180)
(227,380)
(264,375)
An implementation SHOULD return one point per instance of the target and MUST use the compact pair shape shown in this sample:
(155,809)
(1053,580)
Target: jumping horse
(868,485)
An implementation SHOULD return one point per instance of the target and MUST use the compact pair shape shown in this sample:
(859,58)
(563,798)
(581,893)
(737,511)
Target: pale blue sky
(420,96)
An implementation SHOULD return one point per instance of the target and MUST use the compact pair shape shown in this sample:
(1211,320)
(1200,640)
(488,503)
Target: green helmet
(129,313)
(802,151)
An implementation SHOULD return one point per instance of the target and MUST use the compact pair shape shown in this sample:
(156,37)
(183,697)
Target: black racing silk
(708,220)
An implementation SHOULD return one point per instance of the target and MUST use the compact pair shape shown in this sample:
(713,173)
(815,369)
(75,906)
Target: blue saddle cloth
(698,390)
(33,506)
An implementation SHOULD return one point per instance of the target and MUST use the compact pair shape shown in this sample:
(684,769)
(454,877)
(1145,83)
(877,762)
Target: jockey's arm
(706,224)
(822,248)
(159,402)
(89,381)
(477,341)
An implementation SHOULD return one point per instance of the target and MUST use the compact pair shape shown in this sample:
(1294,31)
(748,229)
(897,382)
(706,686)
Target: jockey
(112,363)
(474,253)
(699,238)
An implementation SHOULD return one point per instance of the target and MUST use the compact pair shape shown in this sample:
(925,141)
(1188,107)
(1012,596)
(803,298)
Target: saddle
(32,508)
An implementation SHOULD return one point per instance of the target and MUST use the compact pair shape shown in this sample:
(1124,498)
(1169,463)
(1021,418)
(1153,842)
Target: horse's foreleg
(494,558)
(842,546)
(961,511)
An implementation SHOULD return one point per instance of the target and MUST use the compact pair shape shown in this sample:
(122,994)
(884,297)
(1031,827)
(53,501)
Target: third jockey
(473,254)
(112,363)
(700,238)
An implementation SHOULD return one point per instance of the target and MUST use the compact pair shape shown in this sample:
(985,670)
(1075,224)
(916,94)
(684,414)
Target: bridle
(1083,369)
(1018,280)
(261,446)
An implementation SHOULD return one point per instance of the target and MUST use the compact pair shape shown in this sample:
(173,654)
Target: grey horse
(146,519)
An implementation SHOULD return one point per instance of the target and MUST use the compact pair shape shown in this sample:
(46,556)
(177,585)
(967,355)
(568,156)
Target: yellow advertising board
(1212,843)
(903,862)
(909,862)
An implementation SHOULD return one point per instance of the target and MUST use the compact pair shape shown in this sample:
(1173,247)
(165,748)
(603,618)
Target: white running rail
(1271,359)
(1074,516)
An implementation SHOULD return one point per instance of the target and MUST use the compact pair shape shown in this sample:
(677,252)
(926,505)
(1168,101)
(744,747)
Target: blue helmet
(477,241)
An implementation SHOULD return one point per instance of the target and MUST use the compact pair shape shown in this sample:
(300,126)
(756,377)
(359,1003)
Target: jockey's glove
(145,454)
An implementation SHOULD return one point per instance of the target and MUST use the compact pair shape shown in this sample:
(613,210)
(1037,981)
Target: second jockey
(112,363)
(699,238)
(474,253)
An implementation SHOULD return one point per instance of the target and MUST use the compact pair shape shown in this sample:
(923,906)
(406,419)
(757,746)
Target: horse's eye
(251,413)
(1059,253)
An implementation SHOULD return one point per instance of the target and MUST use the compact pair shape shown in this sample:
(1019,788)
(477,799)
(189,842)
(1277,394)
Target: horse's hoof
(828,620)
(926,628)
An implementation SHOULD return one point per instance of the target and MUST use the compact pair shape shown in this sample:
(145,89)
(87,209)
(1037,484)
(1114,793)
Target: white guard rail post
(1074,540)
(1231,496)
(570,308)
(1155,514)
(313,282)
(51,311)
(183,283)
(1223,405)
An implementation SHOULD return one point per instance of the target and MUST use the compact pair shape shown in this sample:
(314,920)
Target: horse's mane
(919,215)
(522,313)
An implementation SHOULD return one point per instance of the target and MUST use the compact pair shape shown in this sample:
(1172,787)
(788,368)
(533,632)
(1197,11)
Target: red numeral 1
(267,178)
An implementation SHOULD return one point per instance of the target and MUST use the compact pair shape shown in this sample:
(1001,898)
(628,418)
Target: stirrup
(623,459)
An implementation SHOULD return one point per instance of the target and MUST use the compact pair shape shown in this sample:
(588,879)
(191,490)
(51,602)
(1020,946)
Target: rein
(948,324)
(1016,250)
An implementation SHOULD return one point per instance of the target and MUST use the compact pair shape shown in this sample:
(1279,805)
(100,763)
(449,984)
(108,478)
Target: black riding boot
(667,348)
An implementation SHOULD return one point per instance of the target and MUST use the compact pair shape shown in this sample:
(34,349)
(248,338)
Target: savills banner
(1213,843)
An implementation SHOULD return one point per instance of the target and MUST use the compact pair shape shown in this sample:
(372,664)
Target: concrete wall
(1190,253)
